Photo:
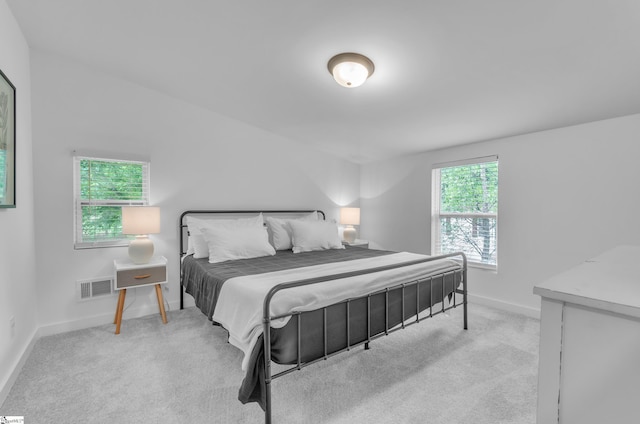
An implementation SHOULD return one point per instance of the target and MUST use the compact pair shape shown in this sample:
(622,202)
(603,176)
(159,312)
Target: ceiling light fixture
(350,69)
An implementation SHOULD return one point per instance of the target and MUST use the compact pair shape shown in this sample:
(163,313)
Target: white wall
(199,159)
(565,195)
(18,296)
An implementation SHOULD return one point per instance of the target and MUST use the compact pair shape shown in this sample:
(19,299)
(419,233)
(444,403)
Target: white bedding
(240,305)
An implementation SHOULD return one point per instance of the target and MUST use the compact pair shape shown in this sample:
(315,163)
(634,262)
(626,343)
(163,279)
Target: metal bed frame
(267,318)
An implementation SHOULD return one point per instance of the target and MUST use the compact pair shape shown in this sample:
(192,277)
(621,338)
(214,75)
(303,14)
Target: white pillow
(314,235)
(196,242)
(227,243)
(280,232)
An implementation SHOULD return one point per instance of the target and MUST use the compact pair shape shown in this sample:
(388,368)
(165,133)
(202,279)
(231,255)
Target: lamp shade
(140,220)
(350,216)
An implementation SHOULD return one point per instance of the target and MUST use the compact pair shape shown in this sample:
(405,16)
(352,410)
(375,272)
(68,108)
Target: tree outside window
(465,210)
(103,187)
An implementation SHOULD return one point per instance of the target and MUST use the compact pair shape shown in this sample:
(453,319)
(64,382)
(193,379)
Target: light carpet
(185,371)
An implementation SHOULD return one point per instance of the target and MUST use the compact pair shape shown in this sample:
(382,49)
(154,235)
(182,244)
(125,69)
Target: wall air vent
(96,288)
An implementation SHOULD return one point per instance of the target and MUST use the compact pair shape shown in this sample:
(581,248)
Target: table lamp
(140,221)
(349,217)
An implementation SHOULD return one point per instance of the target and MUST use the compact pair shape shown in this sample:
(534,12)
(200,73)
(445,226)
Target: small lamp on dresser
(349,217)
(140,221)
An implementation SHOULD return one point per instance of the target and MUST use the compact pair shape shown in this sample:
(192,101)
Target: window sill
(82,246)
(484,267)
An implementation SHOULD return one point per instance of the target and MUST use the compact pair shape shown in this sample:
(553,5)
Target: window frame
(79,203)
(436,214)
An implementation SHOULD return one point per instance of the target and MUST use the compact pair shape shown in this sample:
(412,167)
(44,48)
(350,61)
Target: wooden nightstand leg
(161,303)
(121,297)
(115,319)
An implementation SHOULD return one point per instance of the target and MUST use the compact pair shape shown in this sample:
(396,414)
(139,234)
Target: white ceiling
(447,72)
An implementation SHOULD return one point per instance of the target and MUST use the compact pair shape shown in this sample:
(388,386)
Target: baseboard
(103,319)
(506,306)
(17,368)
(97,320)
(63,327)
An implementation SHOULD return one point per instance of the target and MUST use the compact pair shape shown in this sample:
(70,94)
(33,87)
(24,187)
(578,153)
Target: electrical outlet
(12,325)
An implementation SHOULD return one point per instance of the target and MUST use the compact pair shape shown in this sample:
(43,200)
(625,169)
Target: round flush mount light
(350,69)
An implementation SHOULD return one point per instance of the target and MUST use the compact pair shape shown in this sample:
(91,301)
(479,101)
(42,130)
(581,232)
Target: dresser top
(610,282)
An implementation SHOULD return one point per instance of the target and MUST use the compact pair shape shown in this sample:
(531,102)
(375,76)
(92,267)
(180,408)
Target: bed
(298,303)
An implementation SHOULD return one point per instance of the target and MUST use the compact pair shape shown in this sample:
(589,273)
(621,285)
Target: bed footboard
(388,310)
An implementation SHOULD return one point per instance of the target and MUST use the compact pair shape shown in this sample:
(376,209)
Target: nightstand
(130,275)
(357,243)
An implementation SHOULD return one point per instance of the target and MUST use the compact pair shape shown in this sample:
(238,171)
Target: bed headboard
(231,214)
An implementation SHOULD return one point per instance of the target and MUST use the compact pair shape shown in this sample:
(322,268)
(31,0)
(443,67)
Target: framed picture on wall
(7,143)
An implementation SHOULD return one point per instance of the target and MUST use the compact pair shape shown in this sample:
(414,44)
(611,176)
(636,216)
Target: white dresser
(590,342)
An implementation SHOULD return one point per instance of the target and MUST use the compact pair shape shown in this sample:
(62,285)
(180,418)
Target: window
(101,188)
(465,210)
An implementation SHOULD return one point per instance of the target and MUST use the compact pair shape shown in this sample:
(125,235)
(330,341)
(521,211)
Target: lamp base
(349,234)
(140,250)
